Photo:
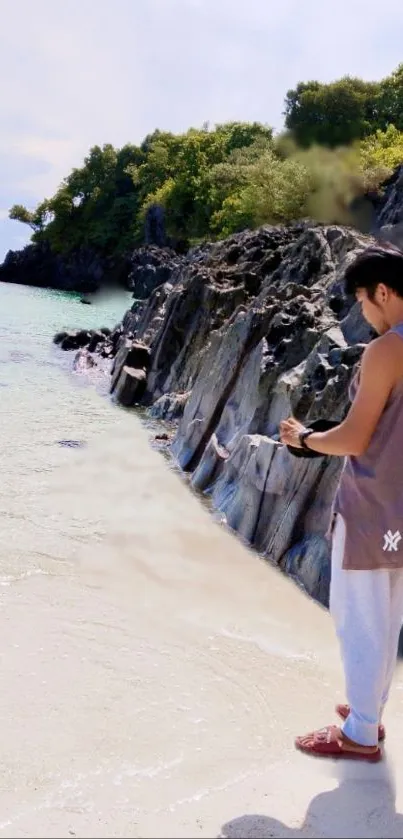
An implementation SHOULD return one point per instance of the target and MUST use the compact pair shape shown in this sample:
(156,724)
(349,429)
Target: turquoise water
(42,403)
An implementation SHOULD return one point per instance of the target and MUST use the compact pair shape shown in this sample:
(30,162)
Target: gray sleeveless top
(370,492)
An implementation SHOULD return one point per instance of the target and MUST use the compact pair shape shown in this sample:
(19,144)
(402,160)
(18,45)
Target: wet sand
(154,677)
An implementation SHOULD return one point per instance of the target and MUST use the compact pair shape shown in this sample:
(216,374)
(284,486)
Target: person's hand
(290,429)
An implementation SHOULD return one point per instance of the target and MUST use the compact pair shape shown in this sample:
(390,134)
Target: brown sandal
(328,742)
(343,712)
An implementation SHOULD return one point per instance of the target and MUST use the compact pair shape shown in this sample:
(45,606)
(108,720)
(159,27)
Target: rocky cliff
(255,329)
(389,211)
(230,339)
(83,270)
(240,334)
(86,270)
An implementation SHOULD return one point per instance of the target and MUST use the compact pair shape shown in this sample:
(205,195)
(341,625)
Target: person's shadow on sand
(363,805)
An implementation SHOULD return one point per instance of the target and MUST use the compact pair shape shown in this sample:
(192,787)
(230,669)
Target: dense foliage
(346,110)
(342,139)
(103,203)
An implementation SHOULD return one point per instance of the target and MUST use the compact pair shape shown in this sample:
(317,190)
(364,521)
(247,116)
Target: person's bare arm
(352,437)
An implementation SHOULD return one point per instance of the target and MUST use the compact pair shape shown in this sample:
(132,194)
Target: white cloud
(88,71)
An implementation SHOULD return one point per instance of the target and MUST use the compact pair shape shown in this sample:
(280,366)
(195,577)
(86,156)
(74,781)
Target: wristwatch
(303,436)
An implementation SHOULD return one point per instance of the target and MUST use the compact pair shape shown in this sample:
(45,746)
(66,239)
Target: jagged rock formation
(228,340)
(244,333)
(150,267)
(129,372)
(390,210)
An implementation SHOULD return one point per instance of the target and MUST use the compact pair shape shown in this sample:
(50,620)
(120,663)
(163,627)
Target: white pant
(367,608)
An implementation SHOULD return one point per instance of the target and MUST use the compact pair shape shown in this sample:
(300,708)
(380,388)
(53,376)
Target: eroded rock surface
(251,330)
(238,336)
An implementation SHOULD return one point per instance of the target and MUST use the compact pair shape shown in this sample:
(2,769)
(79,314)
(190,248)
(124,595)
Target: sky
(78,73)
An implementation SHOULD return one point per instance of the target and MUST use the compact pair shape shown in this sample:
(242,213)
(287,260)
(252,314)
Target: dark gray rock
(75,340)
(59,337)
(83,361)
(150,267)
(390,209)
(133,354)
(97,338)
(130,386)
(392,233)
(154,227)
(170,406)
(83,270)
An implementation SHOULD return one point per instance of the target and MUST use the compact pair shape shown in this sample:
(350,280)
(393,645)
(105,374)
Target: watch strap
(303,436)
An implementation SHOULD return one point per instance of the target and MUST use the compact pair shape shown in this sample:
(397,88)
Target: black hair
(377,264)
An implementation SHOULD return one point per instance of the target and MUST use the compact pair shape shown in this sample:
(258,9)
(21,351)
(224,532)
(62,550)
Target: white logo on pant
(391,540)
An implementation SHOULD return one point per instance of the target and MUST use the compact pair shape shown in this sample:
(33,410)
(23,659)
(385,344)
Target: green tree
(332,114)
(390,100)
(37,219)
(269,190)
(213,181)
(379,155)
(102,204)
(178,169)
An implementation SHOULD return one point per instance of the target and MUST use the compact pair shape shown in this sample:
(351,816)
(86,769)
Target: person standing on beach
(366,589)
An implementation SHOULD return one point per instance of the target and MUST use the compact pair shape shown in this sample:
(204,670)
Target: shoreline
(155,671)
(157,428)
(168,674)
